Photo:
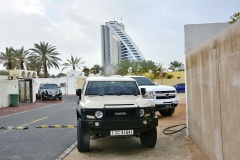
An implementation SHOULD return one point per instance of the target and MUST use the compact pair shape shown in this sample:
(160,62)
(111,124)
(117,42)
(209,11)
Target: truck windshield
(112,88)
(50,86)
(143,81)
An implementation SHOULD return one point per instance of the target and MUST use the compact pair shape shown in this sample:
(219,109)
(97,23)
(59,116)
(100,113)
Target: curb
(67,151)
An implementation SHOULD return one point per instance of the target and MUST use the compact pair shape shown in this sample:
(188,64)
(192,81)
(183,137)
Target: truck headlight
(141,113)
(98,114)
(150,95)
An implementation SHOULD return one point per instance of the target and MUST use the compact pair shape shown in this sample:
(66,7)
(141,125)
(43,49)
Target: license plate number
(121,132)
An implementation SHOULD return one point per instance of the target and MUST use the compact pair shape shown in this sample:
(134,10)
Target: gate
(25,90)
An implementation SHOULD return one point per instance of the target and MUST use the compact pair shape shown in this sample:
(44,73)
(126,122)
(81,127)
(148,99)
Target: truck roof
(110,78)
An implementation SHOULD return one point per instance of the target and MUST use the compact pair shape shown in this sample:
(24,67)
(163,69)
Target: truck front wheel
(167,112)
(83,139)
(149,138)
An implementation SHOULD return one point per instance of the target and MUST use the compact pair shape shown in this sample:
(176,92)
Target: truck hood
(114,101)
(158,88)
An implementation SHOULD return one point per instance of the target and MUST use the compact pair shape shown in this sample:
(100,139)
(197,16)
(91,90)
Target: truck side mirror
(78,92)
(143,91)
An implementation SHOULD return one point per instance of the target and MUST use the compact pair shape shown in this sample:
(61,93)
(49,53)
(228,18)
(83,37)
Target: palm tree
(86,71)
(95,69)
(144,66)
(44,55)
(35,66)
(234,18)
(123,66)
(73,62)
(175,64)
(8,58)
(22,59)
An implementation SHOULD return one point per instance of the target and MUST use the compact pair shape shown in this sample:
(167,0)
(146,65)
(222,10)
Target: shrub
(170,76)
(3,72)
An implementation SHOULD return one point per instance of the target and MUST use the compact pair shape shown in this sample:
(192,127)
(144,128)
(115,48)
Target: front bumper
(164,106)
(161,104)
(50,96)
(105,126)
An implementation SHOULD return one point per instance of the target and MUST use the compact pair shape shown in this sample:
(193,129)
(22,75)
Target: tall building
(117,44)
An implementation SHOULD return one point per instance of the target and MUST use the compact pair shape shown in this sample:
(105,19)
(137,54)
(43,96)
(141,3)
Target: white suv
(114,106)
(163,97)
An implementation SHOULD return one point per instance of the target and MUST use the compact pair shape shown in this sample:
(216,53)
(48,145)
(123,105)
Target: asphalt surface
(39,143)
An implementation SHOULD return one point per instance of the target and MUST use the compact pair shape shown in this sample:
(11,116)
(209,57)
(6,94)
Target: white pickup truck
(163,97)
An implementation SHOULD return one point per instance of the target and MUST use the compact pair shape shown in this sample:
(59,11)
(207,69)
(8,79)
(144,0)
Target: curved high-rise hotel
(117,45)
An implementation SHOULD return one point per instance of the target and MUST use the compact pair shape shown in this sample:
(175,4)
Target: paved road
(35,143)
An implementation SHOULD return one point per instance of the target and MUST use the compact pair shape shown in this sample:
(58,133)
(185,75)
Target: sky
(73,26)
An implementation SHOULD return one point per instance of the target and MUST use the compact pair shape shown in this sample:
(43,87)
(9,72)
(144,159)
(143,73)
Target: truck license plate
(121,132)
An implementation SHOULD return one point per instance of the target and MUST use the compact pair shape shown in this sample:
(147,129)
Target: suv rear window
(112,88)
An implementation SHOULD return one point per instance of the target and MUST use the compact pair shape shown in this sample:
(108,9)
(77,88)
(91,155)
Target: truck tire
(83,139)
(167,112)
(149,138)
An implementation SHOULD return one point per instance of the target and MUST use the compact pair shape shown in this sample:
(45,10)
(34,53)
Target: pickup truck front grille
(160,92)
(165,97)
(121,113)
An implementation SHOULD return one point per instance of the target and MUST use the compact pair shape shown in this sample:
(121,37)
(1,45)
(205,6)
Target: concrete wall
(17,73)
(72,82)
(169,82)
(11,87)
(197,34)
(7,87)
(80,82)
(176,75)
(213,91)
